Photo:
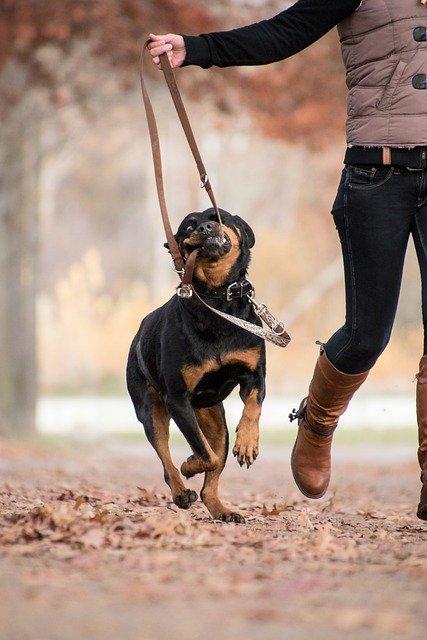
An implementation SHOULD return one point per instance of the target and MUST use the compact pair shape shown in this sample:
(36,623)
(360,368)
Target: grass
(284,437)
(363,437)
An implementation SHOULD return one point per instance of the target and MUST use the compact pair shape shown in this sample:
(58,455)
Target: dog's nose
(205,228)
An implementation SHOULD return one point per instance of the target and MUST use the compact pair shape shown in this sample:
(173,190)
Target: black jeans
(375,212)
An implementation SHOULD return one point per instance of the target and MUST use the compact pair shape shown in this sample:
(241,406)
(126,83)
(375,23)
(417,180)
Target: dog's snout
(205,228)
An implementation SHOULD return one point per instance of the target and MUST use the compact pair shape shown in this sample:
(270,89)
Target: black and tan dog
(184,361)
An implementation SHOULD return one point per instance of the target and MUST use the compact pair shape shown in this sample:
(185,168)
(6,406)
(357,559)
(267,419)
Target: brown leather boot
(329,394)
(422,434)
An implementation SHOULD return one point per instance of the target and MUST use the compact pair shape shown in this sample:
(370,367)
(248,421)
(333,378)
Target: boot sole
(312,496)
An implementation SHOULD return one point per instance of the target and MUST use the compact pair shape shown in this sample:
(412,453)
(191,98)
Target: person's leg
(372,213)
(420,239)
(373,220)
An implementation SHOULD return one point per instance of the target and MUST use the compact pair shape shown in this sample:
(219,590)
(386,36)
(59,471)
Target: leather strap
(183,116)
(158,170)
(386,155)
(300,414)
(187,276)
(175,252)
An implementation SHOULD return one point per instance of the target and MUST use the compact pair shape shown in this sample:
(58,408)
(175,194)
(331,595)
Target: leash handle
(189,134)
(174,250)
(178,260)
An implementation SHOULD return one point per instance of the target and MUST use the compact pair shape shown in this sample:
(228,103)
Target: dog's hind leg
(158,435)
(213,424)
(204,458)
(151,412)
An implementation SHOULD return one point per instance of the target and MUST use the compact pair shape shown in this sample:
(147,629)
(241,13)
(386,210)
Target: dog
(184,361)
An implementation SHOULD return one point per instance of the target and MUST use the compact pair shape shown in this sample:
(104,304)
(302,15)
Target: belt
(412,158)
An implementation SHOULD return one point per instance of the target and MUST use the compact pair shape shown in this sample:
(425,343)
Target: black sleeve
(269,40)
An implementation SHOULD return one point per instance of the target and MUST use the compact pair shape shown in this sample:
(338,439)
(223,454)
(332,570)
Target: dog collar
(234,291)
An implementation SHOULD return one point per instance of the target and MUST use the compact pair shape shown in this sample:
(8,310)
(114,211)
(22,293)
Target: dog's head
(220,258)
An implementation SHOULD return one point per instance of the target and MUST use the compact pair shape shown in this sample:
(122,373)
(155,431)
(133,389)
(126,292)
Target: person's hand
(171,44)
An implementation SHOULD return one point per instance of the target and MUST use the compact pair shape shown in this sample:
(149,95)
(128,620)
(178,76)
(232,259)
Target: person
(381,199)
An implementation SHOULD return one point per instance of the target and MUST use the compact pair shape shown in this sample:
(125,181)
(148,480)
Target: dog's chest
(248,359)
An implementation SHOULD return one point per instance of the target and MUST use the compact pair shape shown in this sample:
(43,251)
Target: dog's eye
(191,227)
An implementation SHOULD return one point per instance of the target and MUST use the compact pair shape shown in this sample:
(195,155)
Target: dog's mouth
(211,246)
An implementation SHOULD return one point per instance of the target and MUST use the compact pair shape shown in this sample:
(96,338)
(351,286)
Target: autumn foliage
(89,544)
(300,98)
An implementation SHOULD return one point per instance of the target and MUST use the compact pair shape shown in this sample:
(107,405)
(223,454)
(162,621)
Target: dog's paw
(231,516)
(246,448)
(194,465)
(185,498)
(191,467)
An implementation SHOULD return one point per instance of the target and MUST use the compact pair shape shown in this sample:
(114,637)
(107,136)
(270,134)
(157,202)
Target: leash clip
(184,291)
(262,311)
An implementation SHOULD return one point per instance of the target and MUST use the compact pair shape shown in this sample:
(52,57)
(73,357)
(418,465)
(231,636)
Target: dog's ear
(247,233)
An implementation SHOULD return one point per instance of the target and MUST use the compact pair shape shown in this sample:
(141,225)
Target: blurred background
(81,243)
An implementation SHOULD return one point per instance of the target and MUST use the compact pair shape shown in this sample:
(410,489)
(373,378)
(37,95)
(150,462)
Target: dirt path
(86,554)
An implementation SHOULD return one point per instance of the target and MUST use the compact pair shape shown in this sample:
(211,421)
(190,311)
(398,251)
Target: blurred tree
(59,54)
(50,54)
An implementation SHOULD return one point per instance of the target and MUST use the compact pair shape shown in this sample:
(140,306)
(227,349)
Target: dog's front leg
(246,447)
(213,424)
(204,458)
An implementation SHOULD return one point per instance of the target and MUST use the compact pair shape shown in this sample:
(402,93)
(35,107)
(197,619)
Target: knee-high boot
(422,434)
(329,394)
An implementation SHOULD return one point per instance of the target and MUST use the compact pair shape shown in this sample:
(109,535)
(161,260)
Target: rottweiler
(185,360)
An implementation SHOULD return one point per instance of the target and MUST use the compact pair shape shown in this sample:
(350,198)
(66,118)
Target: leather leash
(183,117)
(177,258)
(185,268)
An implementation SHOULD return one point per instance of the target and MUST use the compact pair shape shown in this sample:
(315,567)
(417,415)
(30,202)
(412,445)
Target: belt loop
(386,155)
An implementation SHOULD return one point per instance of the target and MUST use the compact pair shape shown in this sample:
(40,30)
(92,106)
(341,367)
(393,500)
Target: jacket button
(419,81)
(420,34)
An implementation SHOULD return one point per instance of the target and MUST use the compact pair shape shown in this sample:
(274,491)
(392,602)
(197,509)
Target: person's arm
(261,43)
(270,40)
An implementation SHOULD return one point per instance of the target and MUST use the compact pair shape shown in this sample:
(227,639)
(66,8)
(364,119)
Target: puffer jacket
(384,46)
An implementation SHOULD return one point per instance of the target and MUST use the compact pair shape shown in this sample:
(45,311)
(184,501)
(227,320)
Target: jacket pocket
(386,100)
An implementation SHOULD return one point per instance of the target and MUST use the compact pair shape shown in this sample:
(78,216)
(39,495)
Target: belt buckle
(229,291)
(242,289)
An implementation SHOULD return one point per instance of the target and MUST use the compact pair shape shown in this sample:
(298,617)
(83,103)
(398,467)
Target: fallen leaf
(275,511)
